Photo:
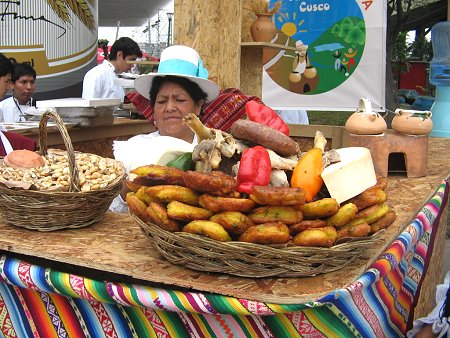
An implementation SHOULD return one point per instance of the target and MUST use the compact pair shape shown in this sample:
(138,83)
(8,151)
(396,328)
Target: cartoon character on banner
(301,66)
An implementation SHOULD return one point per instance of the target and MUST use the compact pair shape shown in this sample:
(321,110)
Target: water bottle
(440,77)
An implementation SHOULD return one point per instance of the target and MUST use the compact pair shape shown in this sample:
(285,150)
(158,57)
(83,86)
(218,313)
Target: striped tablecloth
(39,302)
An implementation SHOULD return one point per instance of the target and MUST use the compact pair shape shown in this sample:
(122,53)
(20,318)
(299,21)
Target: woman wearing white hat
(180,87)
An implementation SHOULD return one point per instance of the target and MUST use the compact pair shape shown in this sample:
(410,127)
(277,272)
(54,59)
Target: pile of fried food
(28,170)
(208,204)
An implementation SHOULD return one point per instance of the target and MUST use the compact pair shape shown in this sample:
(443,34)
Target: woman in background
(180,87)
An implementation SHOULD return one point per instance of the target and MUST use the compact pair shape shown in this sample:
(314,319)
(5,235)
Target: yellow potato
(306,224)
(157,214)
(146,198)
(322,208)
(267,233)
(321,237)
(369,197)
(355,230)
(375,214)
(344,215)
(383,222)
(270,213)
(136,206)
(209,229)
(234,222)
(169,193)
(185,212)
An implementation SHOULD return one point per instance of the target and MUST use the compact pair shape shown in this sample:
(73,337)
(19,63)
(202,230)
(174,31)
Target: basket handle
(73,169)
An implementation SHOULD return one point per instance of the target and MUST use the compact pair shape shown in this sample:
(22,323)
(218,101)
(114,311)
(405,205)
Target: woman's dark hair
(22,69)
(193,89)
(6,66)
(127,46)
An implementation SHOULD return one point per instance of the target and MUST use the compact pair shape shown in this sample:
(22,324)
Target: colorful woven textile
(40,302)
(220,113)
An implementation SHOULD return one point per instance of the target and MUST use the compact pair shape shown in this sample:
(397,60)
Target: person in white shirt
(14,108)
(100,81)
(294,116)
(178,88)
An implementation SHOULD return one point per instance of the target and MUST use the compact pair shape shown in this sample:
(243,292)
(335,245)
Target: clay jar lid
(23,159)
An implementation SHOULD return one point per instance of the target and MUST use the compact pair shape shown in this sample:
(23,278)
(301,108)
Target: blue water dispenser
(440,77)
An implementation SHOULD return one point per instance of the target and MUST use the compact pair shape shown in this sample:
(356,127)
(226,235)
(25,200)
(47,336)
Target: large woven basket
(55,210)
(248,259)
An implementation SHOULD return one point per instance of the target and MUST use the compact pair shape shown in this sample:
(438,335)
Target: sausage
(266,136)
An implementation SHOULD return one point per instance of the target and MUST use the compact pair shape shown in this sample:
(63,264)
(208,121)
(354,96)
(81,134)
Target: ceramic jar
(263,29)
(365,121)
(412,122)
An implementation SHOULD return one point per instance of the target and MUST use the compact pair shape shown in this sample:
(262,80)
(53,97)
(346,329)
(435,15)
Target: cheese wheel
(23,159)
(352,175)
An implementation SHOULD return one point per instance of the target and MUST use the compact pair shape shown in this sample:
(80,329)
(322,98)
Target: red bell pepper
(260,113)
(254,169)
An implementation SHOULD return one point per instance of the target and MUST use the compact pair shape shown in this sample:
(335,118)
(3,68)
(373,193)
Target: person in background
(6,70)
(294,116)
(100,81)
(178,88)
(10,141)
(15,107)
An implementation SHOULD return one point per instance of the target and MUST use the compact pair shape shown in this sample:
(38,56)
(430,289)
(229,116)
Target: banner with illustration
(337,55)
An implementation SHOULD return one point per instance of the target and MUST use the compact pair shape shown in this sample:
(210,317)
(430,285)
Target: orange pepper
(306,174)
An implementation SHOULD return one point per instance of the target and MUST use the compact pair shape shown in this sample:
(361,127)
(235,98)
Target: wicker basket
(248,259)
(54,210)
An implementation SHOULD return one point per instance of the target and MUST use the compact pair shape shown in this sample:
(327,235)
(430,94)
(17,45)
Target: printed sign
(339,55)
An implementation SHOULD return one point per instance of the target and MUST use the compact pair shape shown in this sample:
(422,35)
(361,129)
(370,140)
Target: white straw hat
(179,61)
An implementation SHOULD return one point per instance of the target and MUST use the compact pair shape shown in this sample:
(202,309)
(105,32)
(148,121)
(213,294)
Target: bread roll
(23,159)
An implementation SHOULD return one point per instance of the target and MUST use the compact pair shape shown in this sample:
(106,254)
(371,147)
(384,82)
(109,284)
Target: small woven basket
(55,210)
(248,259)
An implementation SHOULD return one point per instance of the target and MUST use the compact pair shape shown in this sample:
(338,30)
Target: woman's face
(5,85)
(171,105)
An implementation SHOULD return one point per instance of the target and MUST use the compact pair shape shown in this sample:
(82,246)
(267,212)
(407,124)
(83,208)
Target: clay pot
(263,29)
(310,72)
(412,122)
(365,121)
(295,77)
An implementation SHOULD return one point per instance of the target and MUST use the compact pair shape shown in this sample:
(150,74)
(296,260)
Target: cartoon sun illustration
(289,26)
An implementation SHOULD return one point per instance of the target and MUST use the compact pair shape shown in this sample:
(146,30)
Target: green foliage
(351,32)
(421,48)
(400,49)
(101,43)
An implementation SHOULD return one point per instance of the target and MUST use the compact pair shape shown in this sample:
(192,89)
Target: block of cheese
(352,175)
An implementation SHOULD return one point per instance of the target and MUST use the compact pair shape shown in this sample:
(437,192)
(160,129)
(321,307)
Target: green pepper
(183,162)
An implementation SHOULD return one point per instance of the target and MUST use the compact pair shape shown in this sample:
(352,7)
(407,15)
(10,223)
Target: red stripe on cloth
(142,104)
(220,113)
(226,109)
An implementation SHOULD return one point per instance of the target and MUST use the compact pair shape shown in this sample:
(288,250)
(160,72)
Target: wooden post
(213,28)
